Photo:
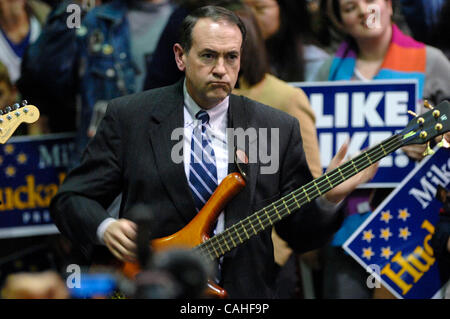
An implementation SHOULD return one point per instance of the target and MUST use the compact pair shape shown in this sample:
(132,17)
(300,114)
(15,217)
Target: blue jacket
(93,60)
(106,70)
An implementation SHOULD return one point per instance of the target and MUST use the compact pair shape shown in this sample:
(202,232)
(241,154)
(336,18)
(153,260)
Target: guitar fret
(245,231)
(268,217)
(226,244)
(254,230)
(240,239)
(209,254)
(307,197)
(329,182)
(320,193)
(215,251)
(285,205)
(232,240)
(220,246)
(262,226)
(340,172)
(295,198)
(353,163)
(384,151)
(370,160)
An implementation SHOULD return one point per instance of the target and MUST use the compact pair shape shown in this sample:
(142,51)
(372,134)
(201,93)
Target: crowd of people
(124,48)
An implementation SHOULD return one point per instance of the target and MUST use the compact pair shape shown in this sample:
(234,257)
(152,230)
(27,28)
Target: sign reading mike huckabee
(31,170)
(394,241)
(365,113)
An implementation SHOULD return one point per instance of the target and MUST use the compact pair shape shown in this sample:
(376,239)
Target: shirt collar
(216,114)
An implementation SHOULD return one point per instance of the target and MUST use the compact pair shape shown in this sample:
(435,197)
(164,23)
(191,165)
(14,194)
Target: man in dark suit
(136,152)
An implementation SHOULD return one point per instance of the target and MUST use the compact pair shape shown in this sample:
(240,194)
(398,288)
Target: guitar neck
(240,232)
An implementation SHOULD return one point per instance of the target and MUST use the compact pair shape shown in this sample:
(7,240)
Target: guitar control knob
(423,134)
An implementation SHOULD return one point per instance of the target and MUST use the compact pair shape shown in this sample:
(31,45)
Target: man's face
(212,64)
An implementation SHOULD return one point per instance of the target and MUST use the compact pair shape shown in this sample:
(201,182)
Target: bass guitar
(195,235)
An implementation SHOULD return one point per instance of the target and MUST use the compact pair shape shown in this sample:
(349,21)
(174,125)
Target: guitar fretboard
(235,235)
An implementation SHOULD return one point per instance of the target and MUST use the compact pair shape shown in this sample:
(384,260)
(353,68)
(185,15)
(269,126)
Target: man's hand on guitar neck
(120,238)
(338,193)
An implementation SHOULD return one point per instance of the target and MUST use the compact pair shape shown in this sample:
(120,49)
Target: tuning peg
(427,104)
(428,151)
(8,109)
(16,106)
(412,113)
(24,102)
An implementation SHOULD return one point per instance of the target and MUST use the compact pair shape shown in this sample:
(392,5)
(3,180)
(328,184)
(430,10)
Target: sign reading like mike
(31,170)
(366,113)
(396,236)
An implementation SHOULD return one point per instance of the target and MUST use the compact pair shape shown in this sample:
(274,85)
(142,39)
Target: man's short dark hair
(212,12)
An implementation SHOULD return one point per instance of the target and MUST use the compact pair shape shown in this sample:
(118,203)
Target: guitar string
(281,207)
(222,243)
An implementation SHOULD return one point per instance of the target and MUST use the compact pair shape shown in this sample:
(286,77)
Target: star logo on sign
(22,158)
(368,235)
(386,252)
(368,253)
(404,233)
(403,214)
(10,171)
(386,216)
(385,233)
(9,149)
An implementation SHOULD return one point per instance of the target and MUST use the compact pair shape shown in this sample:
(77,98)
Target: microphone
(189,270)
(173,274)
(143,216)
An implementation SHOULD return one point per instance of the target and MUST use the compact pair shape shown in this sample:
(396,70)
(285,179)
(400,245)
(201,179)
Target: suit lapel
(240,206)
(165,120)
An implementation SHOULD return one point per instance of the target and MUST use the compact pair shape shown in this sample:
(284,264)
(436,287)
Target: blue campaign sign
(393,242)
(31,170)
(366,113)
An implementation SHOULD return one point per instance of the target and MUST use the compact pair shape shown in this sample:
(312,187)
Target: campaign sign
(31,170)
(394,241)
(365,113)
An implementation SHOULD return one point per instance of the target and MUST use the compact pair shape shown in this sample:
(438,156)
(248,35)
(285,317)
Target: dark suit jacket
(131,153)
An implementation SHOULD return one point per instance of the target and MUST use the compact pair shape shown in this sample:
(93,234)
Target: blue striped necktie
(202,170)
